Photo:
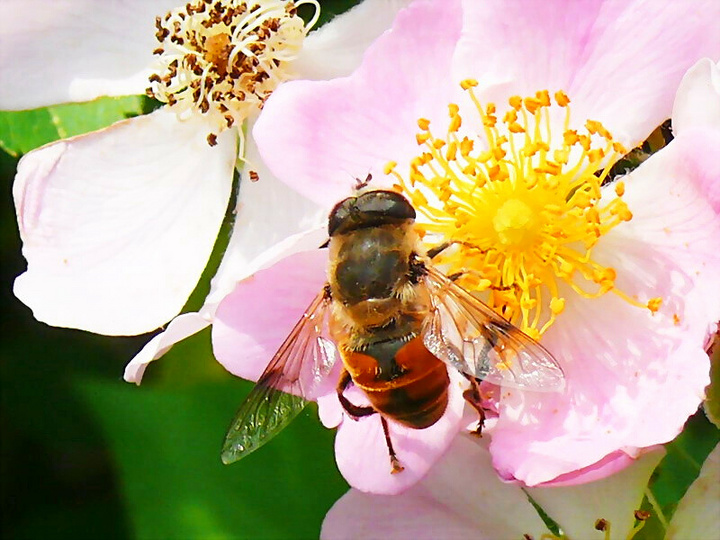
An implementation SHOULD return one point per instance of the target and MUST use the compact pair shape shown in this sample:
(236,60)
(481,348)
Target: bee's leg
(472,396)
(396,467)
(437,250)
(355,411)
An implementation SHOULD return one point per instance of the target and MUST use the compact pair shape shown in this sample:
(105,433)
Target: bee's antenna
(362,184)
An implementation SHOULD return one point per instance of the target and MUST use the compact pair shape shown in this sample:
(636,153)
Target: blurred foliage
(86,455)
(56,472)
(167,445)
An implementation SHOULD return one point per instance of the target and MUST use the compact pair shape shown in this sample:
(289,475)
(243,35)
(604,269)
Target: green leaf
(22,131)
(678,469)
(698,514)
(167,449)
(77,118)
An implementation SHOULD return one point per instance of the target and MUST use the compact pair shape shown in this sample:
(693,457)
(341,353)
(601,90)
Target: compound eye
(388,204)
(340,214)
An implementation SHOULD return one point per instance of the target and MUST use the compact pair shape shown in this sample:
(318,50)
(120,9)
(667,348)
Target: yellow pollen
(223,58)
(557,305)
(422,137)
(654,304)
(513,223)
(521,201)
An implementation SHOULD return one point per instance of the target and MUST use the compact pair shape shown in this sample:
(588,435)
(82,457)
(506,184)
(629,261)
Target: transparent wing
(468,335)
(292,375)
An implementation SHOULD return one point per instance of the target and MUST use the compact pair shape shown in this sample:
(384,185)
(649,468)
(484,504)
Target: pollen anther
(223,58)
(523,206)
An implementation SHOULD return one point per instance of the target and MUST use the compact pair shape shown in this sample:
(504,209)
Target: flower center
(223,58)
(513,224)
(521,206)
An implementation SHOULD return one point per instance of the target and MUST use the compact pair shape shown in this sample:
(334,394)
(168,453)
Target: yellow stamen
(522,206)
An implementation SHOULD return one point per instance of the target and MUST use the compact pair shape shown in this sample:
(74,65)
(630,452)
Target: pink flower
(117,225)
(697,110)
(626,307)
(463,498)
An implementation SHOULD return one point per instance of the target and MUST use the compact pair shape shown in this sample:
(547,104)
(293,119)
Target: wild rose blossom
(462,497)
(626,308)
(117,225)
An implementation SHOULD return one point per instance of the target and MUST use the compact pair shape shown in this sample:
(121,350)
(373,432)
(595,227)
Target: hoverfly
(398,324)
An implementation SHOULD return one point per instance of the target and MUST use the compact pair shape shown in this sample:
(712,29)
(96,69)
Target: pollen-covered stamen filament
(521,203)
(223,58)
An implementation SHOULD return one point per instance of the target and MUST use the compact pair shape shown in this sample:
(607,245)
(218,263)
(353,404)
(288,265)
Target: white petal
(117,225)
(698,514)
(272,223)
(615,499)
(268,214)
(181,327)
(698,99)
(336,49)
(53,51)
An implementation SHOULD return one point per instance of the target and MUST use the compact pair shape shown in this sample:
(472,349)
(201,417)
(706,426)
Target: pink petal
(252,322)
(605,54)
(461,497)
(697,103)
(336,48)
(621,360)
(362,454)
(701,146)
(53,51)
(324,135)
(607,466)
(671,196)
(117,225)
(181,327)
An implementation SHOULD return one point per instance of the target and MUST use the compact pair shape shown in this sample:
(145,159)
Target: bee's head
(371,209)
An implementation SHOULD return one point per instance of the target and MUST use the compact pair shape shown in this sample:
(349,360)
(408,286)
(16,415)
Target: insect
(398,324)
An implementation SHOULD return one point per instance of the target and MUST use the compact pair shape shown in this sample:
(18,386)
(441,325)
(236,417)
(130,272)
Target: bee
(398,323)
